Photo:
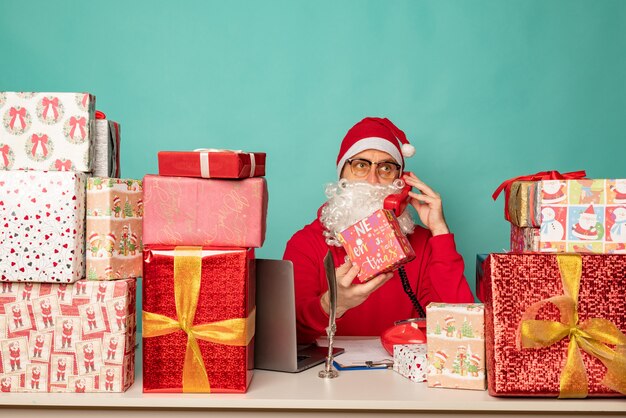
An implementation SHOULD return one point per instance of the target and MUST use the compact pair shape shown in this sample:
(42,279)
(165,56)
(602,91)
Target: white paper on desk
(358,350)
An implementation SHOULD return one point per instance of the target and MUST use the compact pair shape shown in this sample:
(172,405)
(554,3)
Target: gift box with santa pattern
(47,131)
(42,214)
(114,228)
(584,216)
(63,337)
(456,345)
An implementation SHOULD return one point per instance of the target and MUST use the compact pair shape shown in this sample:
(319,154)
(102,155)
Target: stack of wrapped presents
(203,216)
(555,323)
(71,247)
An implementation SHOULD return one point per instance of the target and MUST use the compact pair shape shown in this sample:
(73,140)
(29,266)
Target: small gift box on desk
(67,338)
(198,319)
(217,213)
(106,160)
(410,361)
(555,324)
(114,228)
(456,345)
(47,131)
(376,244)
(42,214)
(212,163)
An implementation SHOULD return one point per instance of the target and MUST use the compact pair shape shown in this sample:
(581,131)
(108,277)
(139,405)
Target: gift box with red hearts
(42,219)
(410,361)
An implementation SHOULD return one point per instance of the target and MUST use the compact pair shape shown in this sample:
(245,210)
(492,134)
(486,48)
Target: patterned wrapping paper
(456,345)
(192,211)
(210,163)
(584,216)
(511,284)
(67,338)
(42,219)
(410,361)
(106,160)
(47,131)
(114,228)
(377,244)
(524,240)
(522,205)
(219,286)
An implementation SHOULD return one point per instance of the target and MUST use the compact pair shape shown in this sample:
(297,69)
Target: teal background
(485,90)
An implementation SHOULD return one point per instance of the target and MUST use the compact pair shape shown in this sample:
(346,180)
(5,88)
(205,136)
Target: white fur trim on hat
(373,142)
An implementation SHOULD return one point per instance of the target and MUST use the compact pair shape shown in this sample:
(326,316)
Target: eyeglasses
(385,169)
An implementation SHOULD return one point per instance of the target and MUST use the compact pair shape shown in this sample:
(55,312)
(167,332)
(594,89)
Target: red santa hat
(111,237)
(374,133)
(449,319)
(441,356)
(475,358)
(589,211)
(93,237)
(116,200)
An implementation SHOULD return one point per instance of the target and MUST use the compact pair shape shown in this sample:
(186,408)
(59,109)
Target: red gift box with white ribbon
(212,163)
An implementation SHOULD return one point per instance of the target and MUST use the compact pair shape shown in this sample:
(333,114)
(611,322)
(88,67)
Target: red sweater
(436,273)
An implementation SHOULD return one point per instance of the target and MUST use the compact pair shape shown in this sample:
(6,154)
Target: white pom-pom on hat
(408,150)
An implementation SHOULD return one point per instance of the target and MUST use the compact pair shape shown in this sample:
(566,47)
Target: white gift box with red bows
(47,131)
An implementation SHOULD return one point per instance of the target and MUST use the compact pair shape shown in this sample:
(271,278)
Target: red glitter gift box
(545,314)
(198,319)
(376,244)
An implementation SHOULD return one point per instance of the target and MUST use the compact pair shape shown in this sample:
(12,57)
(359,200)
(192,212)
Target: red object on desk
(411,331)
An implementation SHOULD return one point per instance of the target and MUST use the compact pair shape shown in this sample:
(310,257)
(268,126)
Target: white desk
(371,392)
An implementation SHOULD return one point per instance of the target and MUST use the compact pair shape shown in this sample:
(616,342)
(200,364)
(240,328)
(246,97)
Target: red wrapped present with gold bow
(198,319)
(555,324)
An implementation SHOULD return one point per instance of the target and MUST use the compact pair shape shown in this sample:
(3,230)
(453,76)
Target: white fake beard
(350,201)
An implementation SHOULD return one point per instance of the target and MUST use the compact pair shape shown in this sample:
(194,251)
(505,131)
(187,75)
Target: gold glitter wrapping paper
(522,204)
(510,284)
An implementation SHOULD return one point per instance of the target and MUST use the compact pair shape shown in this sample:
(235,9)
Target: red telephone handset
(397,202)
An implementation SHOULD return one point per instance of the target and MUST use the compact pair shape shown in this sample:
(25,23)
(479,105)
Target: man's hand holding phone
(428,205)
(350,294)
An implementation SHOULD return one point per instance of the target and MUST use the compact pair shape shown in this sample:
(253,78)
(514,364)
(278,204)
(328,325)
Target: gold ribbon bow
(591,335)
(235,332)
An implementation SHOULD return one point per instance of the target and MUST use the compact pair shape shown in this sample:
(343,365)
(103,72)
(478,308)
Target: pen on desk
(368,365)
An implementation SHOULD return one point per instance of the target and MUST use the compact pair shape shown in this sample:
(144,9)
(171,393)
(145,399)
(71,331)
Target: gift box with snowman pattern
(584,216)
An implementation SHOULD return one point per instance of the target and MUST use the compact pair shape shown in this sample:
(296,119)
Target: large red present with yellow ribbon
(555,324)
(198,319)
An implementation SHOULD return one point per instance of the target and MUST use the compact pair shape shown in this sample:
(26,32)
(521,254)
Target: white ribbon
(204,160)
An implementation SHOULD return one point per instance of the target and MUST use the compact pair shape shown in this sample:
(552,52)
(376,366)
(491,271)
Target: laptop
(275,342)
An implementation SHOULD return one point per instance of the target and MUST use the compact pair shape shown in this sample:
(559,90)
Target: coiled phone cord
(407,289)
